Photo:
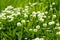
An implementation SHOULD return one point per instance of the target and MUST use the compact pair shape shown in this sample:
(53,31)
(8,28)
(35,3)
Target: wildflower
(35,30)
(38,27)
(37,38)
(25,38)
(46,12)
(38,12)
(44,16)
(10,7)
(57,24)
(34,14)
(18,13)
(53,3)
(44,24)
(23,21)
(25,15)
(51,23)
(41,19)
(41,39)
(30,29)
(19,24)
(58,33)
(54,16)
(33,4)
(57,27)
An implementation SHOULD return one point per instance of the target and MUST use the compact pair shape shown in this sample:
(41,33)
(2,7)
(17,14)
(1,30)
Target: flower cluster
(30,24)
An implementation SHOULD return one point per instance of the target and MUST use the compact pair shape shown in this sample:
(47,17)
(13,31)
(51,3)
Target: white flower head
(54,16)
(44,16)
(9,7)
(53,3)
(58,33)
(25,15)
(38,27)
(30,29)
(51,23)
(41,19)
(35,30)
(19,24)
(41,39)
(37,38)
(33,14)
(44,24)
(22,21)
(25,38)
(57,24)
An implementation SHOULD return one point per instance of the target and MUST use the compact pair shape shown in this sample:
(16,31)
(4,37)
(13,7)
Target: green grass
(9,30)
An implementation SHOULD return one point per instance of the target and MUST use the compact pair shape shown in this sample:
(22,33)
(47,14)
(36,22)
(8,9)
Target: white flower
(41,19)
(44,24)
(57,27)
(51,23)
(33,14)
(51,8)
(58,33)
(38,27)
(37,38)
(54,16)
(57,24)
(25,15)
(53,3)
(30,29)
(22,21)
(18,13)
(10,7)
(33,4)
(46,12)
(19,24)
(44,16)
(17,9)
(29,3)
(41,39)
(8,11)
(35,30)
(26,7)
(26,38)
(38,12)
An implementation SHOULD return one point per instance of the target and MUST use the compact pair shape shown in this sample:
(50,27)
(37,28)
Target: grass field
(29,19)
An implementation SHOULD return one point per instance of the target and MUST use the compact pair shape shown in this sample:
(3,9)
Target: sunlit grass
(29,20)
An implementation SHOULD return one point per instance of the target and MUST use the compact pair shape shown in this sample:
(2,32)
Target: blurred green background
(22,3)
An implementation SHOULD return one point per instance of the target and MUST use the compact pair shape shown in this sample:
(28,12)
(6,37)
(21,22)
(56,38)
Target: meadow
(29,19)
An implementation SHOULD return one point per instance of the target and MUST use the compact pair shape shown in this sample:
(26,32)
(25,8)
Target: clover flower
(35,30)
(38,27)
(44,24)
(51,23)
(19,24)
(23,21)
